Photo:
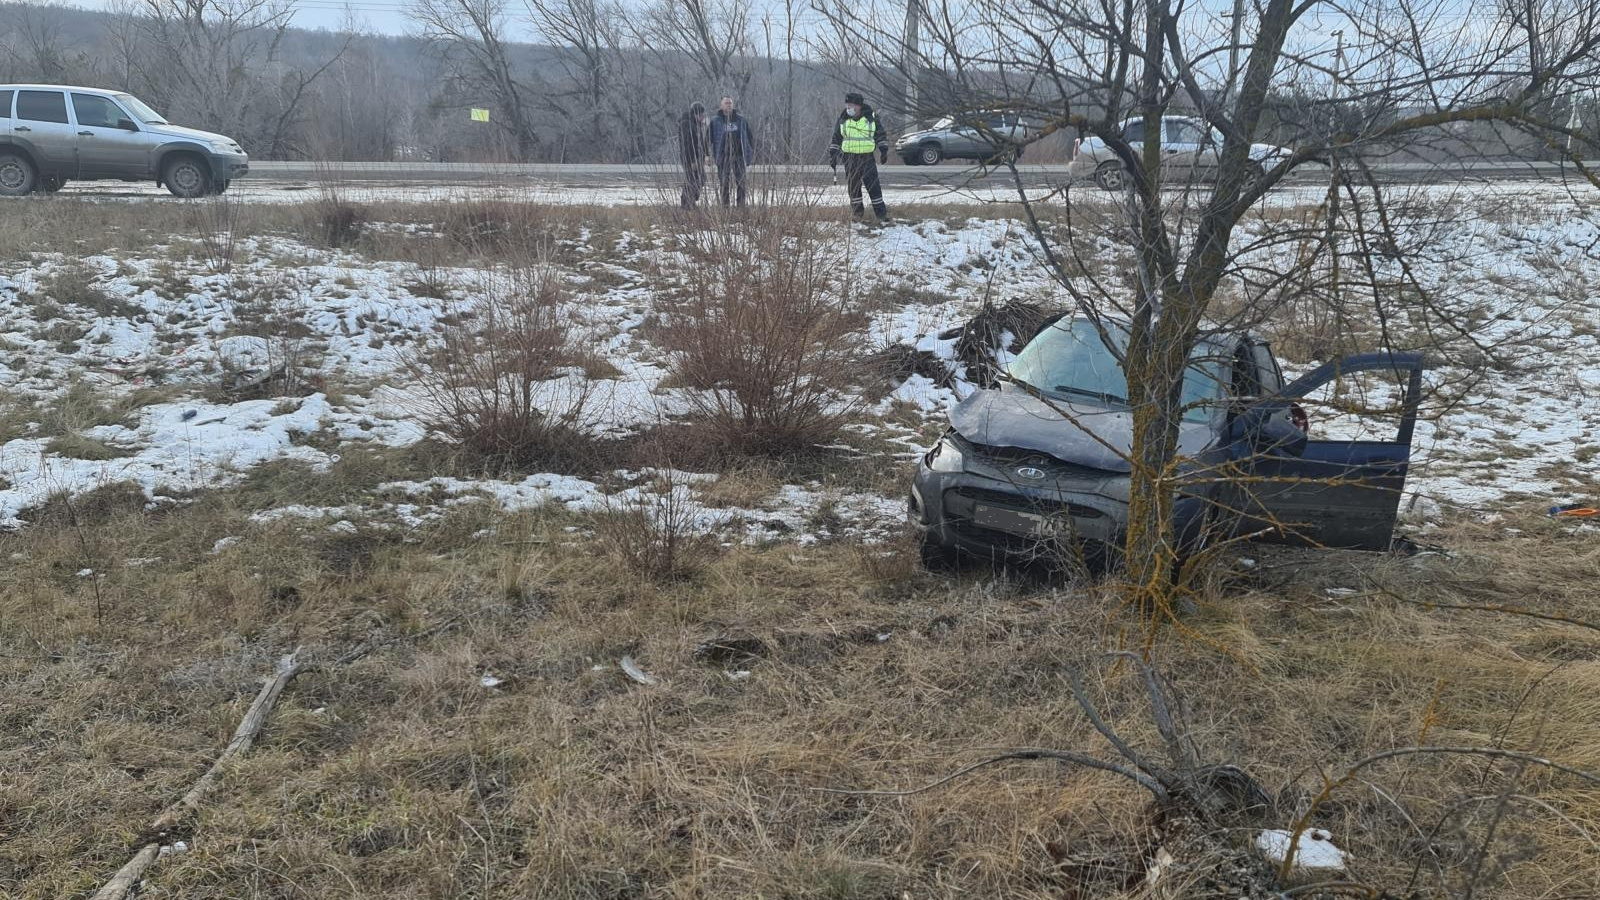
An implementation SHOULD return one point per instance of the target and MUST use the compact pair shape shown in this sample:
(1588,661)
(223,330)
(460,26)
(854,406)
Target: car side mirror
(127,125)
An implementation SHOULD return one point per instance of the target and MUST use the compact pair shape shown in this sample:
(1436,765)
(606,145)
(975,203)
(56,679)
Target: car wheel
(930,154)
(17,176)
(936,557)
(1110,176)
(187,177)
(52,183)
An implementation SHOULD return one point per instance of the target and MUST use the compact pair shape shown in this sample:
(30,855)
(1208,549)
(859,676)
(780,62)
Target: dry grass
(401,776)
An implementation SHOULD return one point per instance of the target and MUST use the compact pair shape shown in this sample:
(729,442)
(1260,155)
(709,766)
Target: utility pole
(1338,61)
(1338,82)
(1233,46)
(908,54)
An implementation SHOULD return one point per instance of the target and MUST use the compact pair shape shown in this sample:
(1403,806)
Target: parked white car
(1189,152)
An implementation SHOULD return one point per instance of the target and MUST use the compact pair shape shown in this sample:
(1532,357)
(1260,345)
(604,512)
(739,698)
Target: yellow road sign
(480,115)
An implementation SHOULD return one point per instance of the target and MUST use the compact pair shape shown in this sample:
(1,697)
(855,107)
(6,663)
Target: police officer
(856,137)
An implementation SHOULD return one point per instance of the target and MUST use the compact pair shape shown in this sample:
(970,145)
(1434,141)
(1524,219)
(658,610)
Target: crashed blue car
(1037,466)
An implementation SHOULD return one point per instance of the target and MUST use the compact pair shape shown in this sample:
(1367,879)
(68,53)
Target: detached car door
(110,143)
(1338,492)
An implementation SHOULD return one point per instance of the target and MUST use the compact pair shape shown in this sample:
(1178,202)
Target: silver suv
(962,138)
(50,134)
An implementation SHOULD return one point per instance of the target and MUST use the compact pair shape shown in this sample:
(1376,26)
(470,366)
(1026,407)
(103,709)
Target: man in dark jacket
(857,135)
(692,152)
(733,146)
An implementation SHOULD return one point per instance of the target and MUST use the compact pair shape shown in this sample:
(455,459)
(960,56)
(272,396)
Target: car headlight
(945,457)
(225,146)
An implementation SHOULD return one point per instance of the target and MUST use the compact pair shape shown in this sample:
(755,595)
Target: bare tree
(579,30)
(1401,80)
(714,35)
(470,37)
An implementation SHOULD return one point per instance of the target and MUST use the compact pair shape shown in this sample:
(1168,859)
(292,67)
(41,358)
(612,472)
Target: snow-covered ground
(963,188)
(1523,433)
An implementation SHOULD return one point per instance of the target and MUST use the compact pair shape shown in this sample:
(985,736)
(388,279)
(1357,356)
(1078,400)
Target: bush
(656,530)
(501,382)
(765,333)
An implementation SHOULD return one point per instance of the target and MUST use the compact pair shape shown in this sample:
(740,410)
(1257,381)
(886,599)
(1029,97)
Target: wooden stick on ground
(243,737)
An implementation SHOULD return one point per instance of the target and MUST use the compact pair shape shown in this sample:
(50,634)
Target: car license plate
(1018,521)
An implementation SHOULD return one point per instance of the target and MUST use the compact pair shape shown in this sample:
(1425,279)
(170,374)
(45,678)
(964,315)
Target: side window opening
(42,106)
(5,104)
(96,112)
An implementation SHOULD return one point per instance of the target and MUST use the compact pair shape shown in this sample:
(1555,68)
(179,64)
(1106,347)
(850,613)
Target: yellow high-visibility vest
(860,135)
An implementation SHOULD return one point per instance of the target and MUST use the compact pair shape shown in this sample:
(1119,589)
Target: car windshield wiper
(1102,396)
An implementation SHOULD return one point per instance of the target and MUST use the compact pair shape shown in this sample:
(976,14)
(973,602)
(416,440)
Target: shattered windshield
(1069,360)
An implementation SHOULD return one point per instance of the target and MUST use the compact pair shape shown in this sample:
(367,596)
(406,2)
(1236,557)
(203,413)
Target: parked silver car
(1189,152)
(51,134)
(952,138)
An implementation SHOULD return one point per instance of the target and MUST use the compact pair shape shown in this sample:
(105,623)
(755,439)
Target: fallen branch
(244,737)
(123,882)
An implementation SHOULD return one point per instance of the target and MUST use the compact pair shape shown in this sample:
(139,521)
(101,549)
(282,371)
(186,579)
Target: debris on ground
(632,670)
(1575,511)
(1316,857)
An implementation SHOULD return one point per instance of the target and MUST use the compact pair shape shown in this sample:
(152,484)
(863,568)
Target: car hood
(910,136)
(1267,152)
(1078,432)
(192,134)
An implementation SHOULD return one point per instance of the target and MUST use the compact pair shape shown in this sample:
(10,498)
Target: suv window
(1180,131)
(1133,132)
(5,104)
(42,106)
(96,112)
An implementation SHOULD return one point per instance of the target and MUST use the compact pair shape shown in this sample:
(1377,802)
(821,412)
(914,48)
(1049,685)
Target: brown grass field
(401,775)
(132,639)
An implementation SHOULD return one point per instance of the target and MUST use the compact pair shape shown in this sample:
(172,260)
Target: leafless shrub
(501,383)
(765,333)
(337,221)
(657,529)
(216,224)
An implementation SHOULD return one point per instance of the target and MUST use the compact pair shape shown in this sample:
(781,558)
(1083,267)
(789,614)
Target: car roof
(1168,118)
(1211,331)
(60,87)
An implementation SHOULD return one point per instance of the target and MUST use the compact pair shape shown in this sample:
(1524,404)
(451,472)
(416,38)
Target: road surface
(951,183)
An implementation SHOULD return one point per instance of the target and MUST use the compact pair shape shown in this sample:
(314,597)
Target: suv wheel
(17,176)
(1110,175)
(930,154)
(187,177)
